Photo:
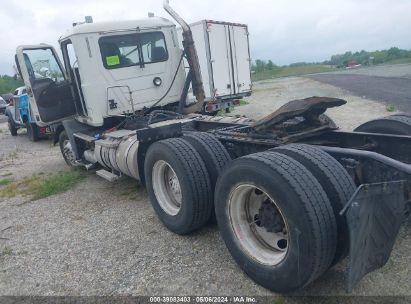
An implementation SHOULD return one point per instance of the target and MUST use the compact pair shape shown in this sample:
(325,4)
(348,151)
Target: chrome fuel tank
(118,151)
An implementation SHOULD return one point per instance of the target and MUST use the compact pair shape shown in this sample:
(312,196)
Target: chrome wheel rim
(68,152)
(166,186)
(263,241)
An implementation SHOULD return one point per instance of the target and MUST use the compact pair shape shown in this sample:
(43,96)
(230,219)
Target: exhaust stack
(192,58)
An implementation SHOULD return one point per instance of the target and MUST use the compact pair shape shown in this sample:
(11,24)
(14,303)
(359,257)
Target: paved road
(390,90)
(3,118)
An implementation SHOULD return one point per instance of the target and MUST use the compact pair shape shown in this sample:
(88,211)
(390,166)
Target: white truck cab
(111,69)
(119,68)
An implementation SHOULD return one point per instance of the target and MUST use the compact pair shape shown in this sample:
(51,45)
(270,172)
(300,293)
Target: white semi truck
(292,195)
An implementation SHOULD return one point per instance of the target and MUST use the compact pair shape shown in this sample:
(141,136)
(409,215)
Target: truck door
(241,58)
(48,89)
(132,62)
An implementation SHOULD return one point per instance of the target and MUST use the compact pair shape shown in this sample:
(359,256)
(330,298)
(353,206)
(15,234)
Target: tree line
(8,84)
(342,60)
(369,58)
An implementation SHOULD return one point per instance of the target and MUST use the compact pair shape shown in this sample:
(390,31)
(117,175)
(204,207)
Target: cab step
(85,137)
(87,165)
(111,177)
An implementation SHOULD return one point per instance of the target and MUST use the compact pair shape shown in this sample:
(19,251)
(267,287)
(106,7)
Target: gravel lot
(270,95)
(104,238)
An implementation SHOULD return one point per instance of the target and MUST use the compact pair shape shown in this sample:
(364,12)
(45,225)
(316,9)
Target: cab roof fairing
(117,26)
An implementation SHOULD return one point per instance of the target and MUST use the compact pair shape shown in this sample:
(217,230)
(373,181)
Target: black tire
(212,151)
(32,132)
(12,127)
(401,114)
(214,155)
(395,124)
(312,228)
(194,183)
(335,180)
(70,160)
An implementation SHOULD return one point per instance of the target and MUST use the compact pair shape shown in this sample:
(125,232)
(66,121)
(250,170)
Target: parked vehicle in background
(8,97)
(3,105)
(19,116)
(20,91)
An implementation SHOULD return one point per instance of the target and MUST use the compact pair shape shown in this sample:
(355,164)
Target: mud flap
(374,216)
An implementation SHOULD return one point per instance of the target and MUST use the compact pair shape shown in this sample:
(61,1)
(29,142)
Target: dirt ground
(270,95)
(102,238)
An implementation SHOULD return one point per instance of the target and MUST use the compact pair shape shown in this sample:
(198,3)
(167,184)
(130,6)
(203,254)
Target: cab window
(153,47)
(41,64)
(119,51)
(134,49)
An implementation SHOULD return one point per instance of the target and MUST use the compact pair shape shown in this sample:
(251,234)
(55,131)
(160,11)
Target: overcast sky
(284,31)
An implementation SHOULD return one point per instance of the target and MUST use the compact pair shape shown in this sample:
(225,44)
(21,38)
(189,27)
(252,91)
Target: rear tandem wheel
(335,181)
(178,185)
(214,155)
(276,220)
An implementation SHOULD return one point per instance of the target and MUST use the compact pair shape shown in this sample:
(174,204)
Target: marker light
(157,81)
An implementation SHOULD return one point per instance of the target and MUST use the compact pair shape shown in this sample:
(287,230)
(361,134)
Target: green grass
(292,71)
(221,113)
(390,108)
(279,301)
(398,61)
(43,186)
(11,190)
(5,181)
(129,189)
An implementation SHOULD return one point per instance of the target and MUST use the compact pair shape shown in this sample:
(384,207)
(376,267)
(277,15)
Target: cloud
(284,31)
